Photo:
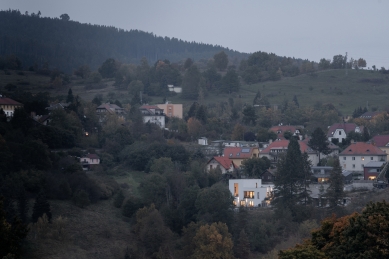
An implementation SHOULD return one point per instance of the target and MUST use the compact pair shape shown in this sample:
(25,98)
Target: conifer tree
(335,191)
(319,142)
(242,249)
(70,97)
(41,206)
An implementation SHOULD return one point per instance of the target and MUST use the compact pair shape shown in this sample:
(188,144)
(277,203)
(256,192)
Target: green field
(345,92)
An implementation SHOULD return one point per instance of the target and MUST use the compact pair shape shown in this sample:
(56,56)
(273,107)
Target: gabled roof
(284,128)
(238,152)
(112,108)
(283,144)
(148,107)
(331,145)
(381,140)
(223,161)
(369,115)
(92,156)
(8,101)
(347,127)
(362,148)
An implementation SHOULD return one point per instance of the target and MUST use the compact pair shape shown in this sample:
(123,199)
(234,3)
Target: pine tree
(41,206)
(291,180)
(70,97)
(242,249)
(319,142)
(335,191)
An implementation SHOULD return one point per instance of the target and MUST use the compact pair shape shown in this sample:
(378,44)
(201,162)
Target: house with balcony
(358,154)
(250,192)
(239,154)
(153,114)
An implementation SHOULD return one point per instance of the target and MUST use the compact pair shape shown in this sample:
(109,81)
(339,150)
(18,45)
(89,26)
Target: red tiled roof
(283,129)
(224,161)
(380,140)
(362,148)
(238,152)
(347,127)
(283,144)
(8,101)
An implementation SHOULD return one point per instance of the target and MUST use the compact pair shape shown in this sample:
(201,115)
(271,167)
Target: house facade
(172,110)
(372,170)
(239,154)
(153,114)
(89,160)
(338,131)
(223,163)
(8,105)
(250,192)
(358,154)
(281,129)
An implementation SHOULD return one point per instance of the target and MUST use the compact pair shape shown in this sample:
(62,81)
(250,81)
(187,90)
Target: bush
(81,198)
(118,202)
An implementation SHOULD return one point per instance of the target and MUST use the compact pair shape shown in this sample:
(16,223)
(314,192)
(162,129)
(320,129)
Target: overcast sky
(308,29)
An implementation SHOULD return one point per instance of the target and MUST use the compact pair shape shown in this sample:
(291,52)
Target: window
(251,203)
(248,194)
(344,158)
(210,166)
(353,158)
(257,195)
(243,203)
(371,158)
(353,166)
(363,158)
(340,133)
(362,165)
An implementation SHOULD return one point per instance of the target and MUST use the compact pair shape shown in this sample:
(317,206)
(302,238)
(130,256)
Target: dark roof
(283,144)
(92,156)
(347,127)
(369,115)
(381,140)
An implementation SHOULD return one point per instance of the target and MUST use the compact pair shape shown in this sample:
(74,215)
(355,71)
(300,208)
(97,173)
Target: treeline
(67,44)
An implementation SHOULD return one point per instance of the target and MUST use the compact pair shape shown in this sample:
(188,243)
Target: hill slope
(69,44)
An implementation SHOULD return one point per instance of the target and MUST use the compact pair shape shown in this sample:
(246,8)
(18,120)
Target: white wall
(354,162)
(238,188)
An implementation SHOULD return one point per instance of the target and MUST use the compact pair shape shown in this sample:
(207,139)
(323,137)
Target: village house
(369,115)
(223,163)
(89,161)
(276,148)
(333,148)
(280,130)
(381,141)
(175,89)
(239,154)
(8,106)
(250,192)
(109,109)
(338,131)
(358,154)
(153,114)
(172,110)
(372,169)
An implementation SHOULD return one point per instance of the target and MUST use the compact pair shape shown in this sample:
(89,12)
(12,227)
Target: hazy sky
(308,29)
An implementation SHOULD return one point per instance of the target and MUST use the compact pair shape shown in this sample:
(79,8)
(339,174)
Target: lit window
(363,158)
(248,194)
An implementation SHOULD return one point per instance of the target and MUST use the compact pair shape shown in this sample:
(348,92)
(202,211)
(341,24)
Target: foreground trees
(362,235)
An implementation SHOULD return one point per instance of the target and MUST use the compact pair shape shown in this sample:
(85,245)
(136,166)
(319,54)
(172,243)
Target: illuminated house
(250,192)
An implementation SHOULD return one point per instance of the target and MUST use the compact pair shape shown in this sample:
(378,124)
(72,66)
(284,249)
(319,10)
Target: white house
(339,131)
(176,89)
(8,105)
(88,160)
(358,154)
(250,192)
(153,114)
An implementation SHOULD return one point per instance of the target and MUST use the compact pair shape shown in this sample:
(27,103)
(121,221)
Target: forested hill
(66,44)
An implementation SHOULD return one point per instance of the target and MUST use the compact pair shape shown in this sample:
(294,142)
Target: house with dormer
(239,154)
(338,131)
(358,154)
(225,164)
(381,141)
(153,114)
(280,130)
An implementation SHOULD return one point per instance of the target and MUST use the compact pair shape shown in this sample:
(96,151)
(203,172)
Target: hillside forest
(151,197)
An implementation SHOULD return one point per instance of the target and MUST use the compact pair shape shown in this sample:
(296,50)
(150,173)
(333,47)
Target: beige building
(171,110)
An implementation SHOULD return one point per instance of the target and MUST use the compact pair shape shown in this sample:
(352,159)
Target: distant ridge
(66,44)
